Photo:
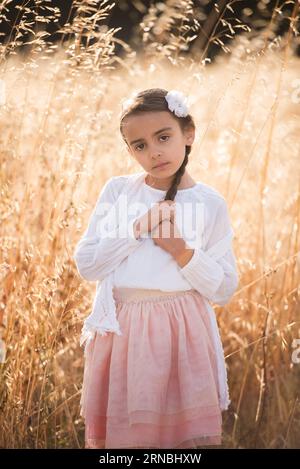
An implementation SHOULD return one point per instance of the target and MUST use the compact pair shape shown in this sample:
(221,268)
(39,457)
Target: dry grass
(59,142)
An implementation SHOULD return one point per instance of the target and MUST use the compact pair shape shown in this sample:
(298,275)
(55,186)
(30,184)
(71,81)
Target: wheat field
(60,142)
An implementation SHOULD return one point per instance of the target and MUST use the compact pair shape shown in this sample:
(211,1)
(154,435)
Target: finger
(172,216)
(164,227)
(167,206)
(163,212)
(167,202)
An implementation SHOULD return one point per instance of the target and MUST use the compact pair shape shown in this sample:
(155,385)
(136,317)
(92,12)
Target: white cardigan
(109,253)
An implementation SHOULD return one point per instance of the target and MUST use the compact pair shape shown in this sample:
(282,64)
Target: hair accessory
(177,103)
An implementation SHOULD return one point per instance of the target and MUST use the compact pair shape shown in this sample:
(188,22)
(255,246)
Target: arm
(98,253)
(213,270)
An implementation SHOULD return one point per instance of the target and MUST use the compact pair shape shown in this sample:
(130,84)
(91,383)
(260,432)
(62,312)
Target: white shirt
(142,264)
(124,261)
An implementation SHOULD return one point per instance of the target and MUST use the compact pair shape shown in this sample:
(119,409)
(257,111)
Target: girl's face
(156,137)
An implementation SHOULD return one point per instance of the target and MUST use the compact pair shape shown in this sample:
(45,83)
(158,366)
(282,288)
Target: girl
(155,373)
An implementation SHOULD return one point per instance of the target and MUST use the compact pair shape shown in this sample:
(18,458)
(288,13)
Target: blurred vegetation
(59,142)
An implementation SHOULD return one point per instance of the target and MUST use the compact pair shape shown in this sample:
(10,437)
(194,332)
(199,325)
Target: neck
(165,183)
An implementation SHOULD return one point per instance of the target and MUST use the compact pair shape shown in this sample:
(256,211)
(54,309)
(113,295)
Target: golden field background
(60,142)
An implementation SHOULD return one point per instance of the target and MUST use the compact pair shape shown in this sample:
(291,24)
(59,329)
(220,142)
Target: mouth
(161,165)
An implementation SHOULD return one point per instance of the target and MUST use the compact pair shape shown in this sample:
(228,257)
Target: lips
(161,164)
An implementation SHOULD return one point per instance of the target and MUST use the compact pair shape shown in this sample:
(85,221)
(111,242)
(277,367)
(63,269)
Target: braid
(172,191)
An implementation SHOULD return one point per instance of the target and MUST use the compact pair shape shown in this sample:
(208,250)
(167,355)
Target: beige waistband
(122,294)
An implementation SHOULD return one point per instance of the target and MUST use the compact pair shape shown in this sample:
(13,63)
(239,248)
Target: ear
(189,135)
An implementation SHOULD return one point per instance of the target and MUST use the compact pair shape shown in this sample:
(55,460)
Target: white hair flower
(177,103)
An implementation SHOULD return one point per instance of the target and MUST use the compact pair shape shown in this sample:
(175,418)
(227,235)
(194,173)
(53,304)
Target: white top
(142,264)
(139,263)
(150,266)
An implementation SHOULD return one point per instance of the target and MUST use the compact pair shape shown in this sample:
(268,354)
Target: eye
(164,136)
(138,146)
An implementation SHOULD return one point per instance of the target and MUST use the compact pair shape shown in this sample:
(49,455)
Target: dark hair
(150,100)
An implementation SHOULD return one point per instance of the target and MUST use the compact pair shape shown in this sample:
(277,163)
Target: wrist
(184,257)
(182,253)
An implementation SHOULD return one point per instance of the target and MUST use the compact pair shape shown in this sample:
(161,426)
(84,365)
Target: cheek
(176,146)
(143,160)
(177,141)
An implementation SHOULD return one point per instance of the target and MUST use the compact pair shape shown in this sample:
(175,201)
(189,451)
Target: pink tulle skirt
(156,385)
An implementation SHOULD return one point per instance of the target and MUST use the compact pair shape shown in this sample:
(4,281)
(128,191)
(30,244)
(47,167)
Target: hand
(160,211)
(167,236)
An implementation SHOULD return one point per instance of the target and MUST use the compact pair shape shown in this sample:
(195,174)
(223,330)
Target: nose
(155,154)
(156,159)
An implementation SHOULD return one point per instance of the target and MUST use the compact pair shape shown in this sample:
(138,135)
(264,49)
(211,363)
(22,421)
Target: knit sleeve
(102,248)
(212,270)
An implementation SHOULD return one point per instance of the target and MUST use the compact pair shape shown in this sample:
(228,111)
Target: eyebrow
(155,133)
